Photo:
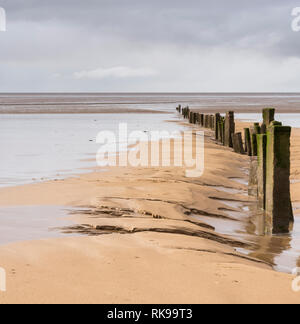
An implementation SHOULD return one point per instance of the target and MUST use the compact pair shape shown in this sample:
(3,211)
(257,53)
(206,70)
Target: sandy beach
(150,154)
(139,238)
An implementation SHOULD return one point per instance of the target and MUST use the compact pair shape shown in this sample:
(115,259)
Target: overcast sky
(149,45)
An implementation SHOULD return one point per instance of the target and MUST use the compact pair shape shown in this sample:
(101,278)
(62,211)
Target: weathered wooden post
(253,177)
(278,198)
(187,113)
(190,117)
(212,122)
(253,180)
(248,148)
(261,169)
(238,143)
(229,128)
(268,116)
(216,121)
(223,131)
(253,134)
(195,118)
(206,121)
(202,120)
(220,130)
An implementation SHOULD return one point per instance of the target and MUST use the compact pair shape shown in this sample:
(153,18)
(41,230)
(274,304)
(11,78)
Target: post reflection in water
(280,250)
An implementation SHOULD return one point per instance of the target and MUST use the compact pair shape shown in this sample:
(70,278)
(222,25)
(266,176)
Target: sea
(52,136)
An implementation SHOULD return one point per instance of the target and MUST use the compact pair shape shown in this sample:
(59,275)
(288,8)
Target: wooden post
(253,132)
(278,197)
(217,120)
(261,169)
(248,147)
(238,143)
(229,128)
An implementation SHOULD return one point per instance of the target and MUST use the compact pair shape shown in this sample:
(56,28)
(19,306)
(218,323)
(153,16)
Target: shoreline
(82,112)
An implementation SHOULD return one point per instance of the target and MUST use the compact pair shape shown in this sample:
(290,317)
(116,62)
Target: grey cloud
(46,38)
(191,22)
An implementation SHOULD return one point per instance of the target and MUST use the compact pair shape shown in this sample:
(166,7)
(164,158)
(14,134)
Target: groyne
(268,146)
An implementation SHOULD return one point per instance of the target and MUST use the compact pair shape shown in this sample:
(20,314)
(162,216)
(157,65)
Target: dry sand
(143,246)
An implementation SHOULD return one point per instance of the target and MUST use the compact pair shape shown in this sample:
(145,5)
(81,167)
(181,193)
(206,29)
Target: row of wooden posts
(268,146)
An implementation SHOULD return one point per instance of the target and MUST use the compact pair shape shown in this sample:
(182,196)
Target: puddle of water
(27,223)
(232,204)
(230,190)
(296,206)
(281,251)
(240,180)
(294,181)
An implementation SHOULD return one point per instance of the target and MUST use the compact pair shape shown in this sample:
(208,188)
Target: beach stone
(229,128)
(261,169)
(278,198)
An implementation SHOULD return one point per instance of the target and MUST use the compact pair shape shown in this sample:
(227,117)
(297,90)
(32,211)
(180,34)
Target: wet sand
(146,238)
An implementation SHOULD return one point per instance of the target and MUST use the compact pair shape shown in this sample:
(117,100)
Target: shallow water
(41,147)
(248,225)
(292,120)
(99,102)
(26,223)
(51,146)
